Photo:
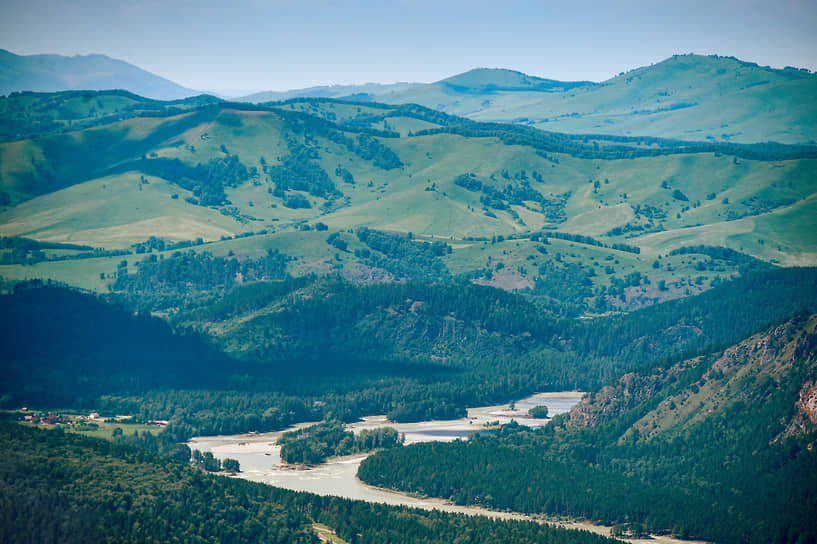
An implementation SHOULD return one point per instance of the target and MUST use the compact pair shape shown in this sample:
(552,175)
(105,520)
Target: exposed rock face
(674,398)
(805,419)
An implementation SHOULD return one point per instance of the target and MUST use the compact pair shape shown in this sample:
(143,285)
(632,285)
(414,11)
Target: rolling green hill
(690,97)
(53,73)
(516,205)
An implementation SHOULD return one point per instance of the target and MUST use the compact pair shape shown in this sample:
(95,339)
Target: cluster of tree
(155,243)
(757,204)
(426,410)
(746,262)
(313,445)
(366,146)
(345,175)
(164,281)
(236,407)
(514,194)
(370,149)
(214,176)
(206,180)
(566,286)
(702,480)
(209,463)
(404,257)
(538,412)
(97,491)
(298,171)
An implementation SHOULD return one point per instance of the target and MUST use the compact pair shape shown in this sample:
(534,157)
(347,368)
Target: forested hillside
(686,448)
(415,351)
(64,488)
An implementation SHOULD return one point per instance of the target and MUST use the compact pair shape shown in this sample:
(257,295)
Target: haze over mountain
(51,73)
(365,91)
(689,97)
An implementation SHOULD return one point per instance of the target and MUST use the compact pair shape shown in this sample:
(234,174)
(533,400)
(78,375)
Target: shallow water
(260,457)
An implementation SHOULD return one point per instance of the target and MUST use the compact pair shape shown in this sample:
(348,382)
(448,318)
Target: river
(260,457)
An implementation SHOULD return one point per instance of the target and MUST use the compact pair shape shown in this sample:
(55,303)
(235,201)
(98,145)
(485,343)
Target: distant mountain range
(689,97)
(364,93)
(53,73)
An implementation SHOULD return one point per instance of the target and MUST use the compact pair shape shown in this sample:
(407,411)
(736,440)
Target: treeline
(719,253)
(230,407)
(28,252)
(366,120)
(581,146)
(19,242)
(313,445)
(427,410)
(402,256)
(66,488)
(582,239)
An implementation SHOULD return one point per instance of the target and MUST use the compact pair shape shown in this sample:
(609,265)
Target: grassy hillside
(690,97)
(517,206)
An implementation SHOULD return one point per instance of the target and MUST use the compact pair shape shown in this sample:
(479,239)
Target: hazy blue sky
(283,44)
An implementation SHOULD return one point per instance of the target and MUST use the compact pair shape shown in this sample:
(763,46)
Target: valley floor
(260,459)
